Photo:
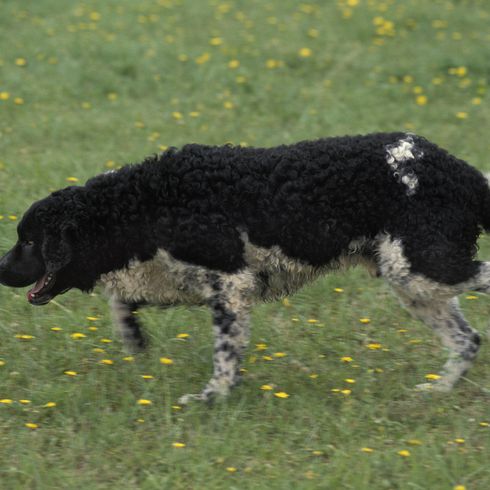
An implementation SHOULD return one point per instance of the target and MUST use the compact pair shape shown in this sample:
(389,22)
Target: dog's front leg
(230,305)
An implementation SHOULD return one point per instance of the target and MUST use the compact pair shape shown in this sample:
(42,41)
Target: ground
(327,399)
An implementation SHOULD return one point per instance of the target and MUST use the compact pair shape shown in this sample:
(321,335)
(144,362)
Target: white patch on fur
(400,153)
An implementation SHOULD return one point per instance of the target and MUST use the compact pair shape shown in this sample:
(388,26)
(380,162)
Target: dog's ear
(57,247)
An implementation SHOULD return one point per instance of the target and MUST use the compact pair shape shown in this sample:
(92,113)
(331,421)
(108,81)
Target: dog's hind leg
(127,324)
(435,304)
(230,301)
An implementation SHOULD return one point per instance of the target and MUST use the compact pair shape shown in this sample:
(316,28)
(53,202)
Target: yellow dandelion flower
(338,290)
(6,401)
(260,346)
(216,41)
(266,387)
(352,3)
(367,449)
(31,425)
(459,440)
(144,402)
(4,95)
(98,350)
(476,100)
(364,320)
(85,105)
(317,453)
(271,64)
(437,81)
(147,376)
(18,100)
(231,469)
(459,487)
(128,358)
(432,377)
(350,380)
(461,71)
(279,354)
(228,104)
(314,33)
(204,58)
(484,424)
(176,407)
(166,360)
(421,100)
(281,394)
(140,421)
(183,336)
(194,114)
(72,179)
(24,402)
(77,335)
(139,124)
(177,115)
(12,217)
(286,302)
(312,320)
(405,453)
(346,359)
(112,96)
(241,79)
(106,341)
(462,115)
(108,362)
(233,64)
(267,358)
(305,52)
(178,445)
(335,390)
(21,62)
(49,405)
(56,329)
(374,346)
(95,16)
(94,318)
(2,362)
(70,373)
(414,442)
(346,392)
(22,336)
(93,329)
(313,376)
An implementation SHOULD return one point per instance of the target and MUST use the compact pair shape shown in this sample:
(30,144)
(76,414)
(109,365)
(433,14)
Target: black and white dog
(229,226)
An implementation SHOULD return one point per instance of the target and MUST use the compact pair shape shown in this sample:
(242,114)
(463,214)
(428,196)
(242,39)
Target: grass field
(87,86)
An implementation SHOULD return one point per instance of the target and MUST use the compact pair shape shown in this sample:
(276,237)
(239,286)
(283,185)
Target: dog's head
(48,249)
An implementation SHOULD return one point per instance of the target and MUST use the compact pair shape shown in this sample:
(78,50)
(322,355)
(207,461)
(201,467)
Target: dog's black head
(49,250)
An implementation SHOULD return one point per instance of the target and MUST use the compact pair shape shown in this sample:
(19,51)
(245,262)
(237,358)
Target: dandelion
(459,440)
(194,114)
(260,347)
(4,95)
(374,346)
(112,96)
(6,401)
(166,361)
(405,453)
(231,469)
(204,58)
(21,336)
(346,359)
(31,425)
(183,336)
(313,376)
(346,392)
(106,341)
(266,387)
(72,179)
(350,380)
(484,424)
(459,487)
(414,442)
(49,405)
(312,320)
(12,217)
(77,336)
(56,329)
(70,373)
(144,402)
(281,394)
(176,407)
(85,105)
(128,358)
(305,52)
(364,320)
(267,358)
(21,62)
(432,377)
(462,115)
(107,362)
(139,124)
(338,290)
(233,64)
(367,449)
(18,101)
(272,64)
(279,354)
(178,445)
(476,100)
(93,329)
(177,115)
(147,376)
(24,402)
(216,41)
(421,100)
(228,104)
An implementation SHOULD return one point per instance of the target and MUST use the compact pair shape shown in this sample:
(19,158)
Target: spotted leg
(230,306)
(127,325)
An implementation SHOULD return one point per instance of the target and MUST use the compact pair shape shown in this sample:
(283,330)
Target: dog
(230,226)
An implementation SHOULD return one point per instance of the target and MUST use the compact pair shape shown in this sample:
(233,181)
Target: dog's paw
(192,397)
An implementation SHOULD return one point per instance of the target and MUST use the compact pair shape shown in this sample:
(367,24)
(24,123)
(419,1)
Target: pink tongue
(39,285)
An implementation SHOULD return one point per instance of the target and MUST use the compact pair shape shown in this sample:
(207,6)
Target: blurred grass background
(89,86)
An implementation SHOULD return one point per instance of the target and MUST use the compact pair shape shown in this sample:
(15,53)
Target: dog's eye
(29,243)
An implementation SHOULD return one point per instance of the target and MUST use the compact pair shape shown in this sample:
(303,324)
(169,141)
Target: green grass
(106,83)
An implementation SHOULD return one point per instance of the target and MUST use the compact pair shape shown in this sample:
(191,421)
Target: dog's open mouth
(39,294)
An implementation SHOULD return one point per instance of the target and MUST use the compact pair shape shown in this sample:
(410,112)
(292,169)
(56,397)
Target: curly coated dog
(229,226)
